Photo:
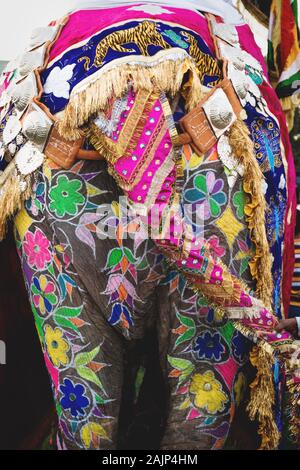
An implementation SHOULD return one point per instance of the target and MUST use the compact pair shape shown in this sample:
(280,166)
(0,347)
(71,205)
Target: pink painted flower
(36,247)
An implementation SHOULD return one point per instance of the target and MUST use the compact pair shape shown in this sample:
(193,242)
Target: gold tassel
(12,198)
(294,409)
(262,398)
(166,77)
(261,263)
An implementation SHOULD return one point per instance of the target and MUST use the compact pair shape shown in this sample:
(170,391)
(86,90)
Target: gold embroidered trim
(165,76)
(261,263)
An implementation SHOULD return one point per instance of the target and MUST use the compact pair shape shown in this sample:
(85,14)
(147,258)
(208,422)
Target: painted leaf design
(62,315)
(87,219)
(84,235)
(50,269)
(129,255)
(179,364)
(183,365)
(83,359)
(91,376)
(186,321)
(99,400)
(187,336)
(90,431)
(114,257)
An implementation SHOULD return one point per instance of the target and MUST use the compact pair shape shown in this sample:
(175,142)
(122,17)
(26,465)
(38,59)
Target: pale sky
(20,17)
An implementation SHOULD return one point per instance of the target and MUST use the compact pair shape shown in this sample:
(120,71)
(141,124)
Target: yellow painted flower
(57,347)
(209,392)
(239,388)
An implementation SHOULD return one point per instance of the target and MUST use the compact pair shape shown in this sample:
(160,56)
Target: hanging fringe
(261,263)
(165,76)
(11,196)
(293,409)
(262,399)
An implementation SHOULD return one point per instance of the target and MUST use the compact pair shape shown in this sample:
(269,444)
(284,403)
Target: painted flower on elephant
(73,398)
(240,347)
(65,196)
(43,294)
(36,248)
(208,193)
(209,346)
(57,346)
(208,392)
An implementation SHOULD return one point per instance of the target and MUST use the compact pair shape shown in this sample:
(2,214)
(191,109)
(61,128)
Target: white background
(19,17)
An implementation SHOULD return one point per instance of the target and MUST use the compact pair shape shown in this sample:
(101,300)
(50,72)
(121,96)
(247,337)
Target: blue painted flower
(121,314)
(240,347)
(209,346)
(74,398)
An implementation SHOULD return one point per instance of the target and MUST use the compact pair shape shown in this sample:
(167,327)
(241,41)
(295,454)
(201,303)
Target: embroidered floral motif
(57,82)
(208,193)
(209,346)
(74,398)
(43,294)
(240,347)
(36,248)
(57,347)
(65,197)
(208,392)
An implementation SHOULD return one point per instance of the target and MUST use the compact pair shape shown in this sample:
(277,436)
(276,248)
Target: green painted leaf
(179,364)
(188,335)
(129,255)
(70,312)
(83,359)
(186,321)
(186,373)
(65,323)
(90,375)
(115,257)
(100,400)
(58,409)
(51,269)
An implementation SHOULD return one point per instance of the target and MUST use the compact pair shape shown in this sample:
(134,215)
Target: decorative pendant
(37,126)
(233,168)
(31,61)
(23,92)
(219,112)
(12,129)
(4,99)
(227,32)
(40,36)
(28,159)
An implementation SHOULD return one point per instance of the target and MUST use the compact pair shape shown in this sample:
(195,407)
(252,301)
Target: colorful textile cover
(114,74)
(87,85)
(284,53)
(132,126)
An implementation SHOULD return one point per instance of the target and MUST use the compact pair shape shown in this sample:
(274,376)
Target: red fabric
(287,27)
